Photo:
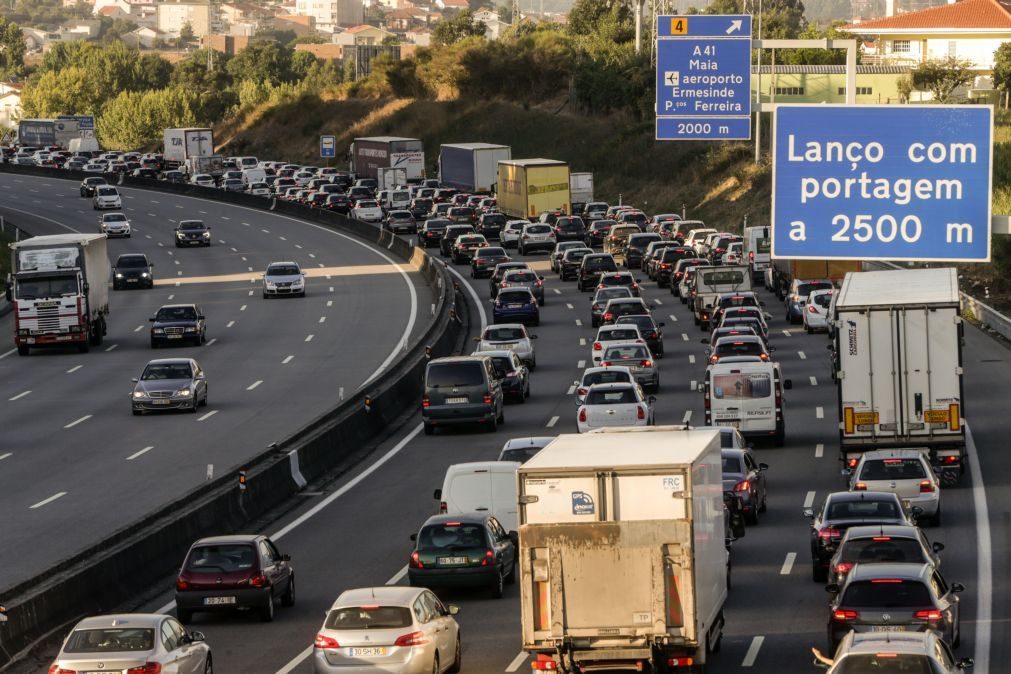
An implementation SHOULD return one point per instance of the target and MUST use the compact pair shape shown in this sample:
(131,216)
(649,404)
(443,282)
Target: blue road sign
(703,77)
(882,182)
(84,122)
(328,146)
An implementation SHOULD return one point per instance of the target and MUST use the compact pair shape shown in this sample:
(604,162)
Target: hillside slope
(715,182)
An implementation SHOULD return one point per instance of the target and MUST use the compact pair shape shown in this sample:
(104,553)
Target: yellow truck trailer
(528,187)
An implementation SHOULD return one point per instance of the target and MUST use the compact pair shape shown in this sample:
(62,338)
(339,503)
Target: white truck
(712,281)
(898,366)
(392,177)
(623,562)
(757,250)
(471,167)
(60,291)
(182,144)
(580,190)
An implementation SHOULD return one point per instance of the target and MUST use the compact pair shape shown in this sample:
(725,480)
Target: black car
(490,224)
(89,184)
(636,246)
(484,261)
(569,228)
(597,232)
(650,331)
(145,173)
(499,272)
(431,232)
(511,372)
(471,550)
(132,270)
(663,269)
(338,203)
(401,222)
(745,476)
(192,233)
(178,324)
(568,266)
(450,235)
(880,543)
(591,269)
(421,207)
(843,510)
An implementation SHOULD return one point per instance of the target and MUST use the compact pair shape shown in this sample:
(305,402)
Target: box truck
(392,177)
(471,167)
(710,283)
(898,366)
(779,275)
(37,132)
(60,291)
(623,561)
(183,144)
(368,155)
(580,190)
(757,248)
(528,187)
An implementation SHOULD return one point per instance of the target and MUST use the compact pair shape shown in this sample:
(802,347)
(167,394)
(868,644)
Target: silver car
(402,630)
(895,652)
(170,384)
(114,224)
(283,278)
(637,358)
(133,642)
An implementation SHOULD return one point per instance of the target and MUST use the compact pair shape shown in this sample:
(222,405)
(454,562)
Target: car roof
(614,326)
(459,359)
(171,361)
(388,594)
(228,539)
(618,345)
(466,518)
(892,642)
(506,325)
(496,353)
(901,570)
(730,339)
(612,386)
(122,255)
(626,300)
(619,368)
(177,306)
(843,496)
(534,441)
(893,530)
(515,289)
(121,620)
(282,262)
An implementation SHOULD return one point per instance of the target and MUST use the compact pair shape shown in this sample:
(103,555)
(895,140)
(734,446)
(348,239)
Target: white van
(398,199)
(747,395)
(487,487)
(254,175)
(757,248)
(696,237)
(242,163)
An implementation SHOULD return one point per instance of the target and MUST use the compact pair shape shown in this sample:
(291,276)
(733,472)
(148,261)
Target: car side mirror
(478,339)
(134,380)
(808,513)
(788,384)
(763,466)
(453,609)
(541,277)
(916,510)
(515,538)
(285,558)
(651,399)
(957,587)
(437,494)
(937,547)
(832,588)
(768,316)
(819,664)
(196,637)
(414,537)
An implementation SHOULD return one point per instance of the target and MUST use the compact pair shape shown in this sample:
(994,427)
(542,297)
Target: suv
(617,238)
(570,228)
(636,246)
(132,270)
(490,224)
(401,222)
(536,236)
(591,269)
(192,233)
(462,215)
(462,390)
(450,235)
(224,573)
(178,323)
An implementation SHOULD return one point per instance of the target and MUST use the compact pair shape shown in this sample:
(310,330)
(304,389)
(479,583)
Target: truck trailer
(183,144)
(528,187)
(898,366)
(60,291)
(622,554)
(471,167)
(780,274)
(580,190)
(368,155)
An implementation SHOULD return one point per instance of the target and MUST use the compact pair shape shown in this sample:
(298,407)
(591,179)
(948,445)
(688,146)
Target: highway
(75,465)
(355,531)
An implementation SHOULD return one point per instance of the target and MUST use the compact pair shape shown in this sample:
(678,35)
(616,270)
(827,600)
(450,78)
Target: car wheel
(492,426)
(429,429)
(521,250)
(194,406)
(185,616)
(154,344)
(751,517)
(497,588)
(540,302)
(288,598)
(267,612)
(457,659)
(208,665)
(935,520)
(527,392)
(819,573)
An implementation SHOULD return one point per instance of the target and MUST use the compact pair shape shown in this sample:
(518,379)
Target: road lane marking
(309,338)
(693,385)
(687,419)
(984,563)
(819,412)
(473,295)
(265,231)
(282,238)
(579,323)
(19,396)
(138,328)
(398,576)
(802,355)
(74,369)
(78,421)
(297,246)
(244,259)
(673,318)
(582,341)
(331,287)
(230,324)
(311,255)
(254,384)
(657,300)
(112,348)
(557,291)
(813,380)
(322,319)
(171,297)
(6,455)
(48,500)
(208,415)
(791,557)
(569,305)
(819,450)
(296,661)
(225,217)
(552,421)
(684,336)
(210,342)
(809,499)
(287,360)
(691,358)
(572,389)
(517,662)
(250,293)
(140,453)
(749,657)
(787,333)
(242,308)
(581,364)
(329,303)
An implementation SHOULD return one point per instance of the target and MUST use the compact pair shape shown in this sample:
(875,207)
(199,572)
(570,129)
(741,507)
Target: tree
(461,26)
(301,63)
(205,74)
(607,21)
(153,72)
(781,19)
(186,32)
(70,91)
(262,61)
(135,120)
(942,76)
(113,30)
(811,57)
(1002,67)
(12,49)
(505,12)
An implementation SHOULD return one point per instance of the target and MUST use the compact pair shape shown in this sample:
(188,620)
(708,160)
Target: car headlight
(184,392)
(190,329)
(139,394)
(270,284)
(207,235)
(145,275)
(158,331)
(298,283)
(119,275)
(179,235)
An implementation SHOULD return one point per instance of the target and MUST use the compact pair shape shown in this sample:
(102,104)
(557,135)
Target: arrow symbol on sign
(735,26)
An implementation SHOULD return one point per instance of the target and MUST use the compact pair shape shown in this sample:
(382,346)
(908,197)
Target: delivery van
(487,487)
(747,394)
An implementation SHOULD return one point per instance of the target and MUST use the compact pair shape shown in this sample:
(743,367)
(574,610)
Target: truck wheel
(23,349)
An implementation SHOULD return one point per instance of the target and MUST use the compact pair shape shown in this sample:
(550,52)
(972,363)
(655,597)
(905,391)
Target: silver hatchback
(405,630)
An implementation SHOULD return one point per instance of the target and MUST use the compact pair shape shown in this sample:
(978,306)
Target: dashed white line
(556,291)
(19,396)
(155,202)
(579,323)
(684,336)
(48,500)
(787,333)
(552,421)
(819,412)
(582,341)
(569,306)
(74,369)
(254,384)
(819,450)
(331,288)
(230,324)
(580,364)
(813,380)
(572,389)
(112,348)
(282,238)
(6,455)
(802,355)
(517,662)
(322,319)
(170,297)
(809,499)
(138,328)
(210,342)
(287,360)
(225,217)
(207,416)
(752,654)
(140,453)
(250,292)
(693,385)
(791,557)
(176,261)
(309,338)
(247,224)
(242,308)
(691,358)
(244,259)
(235,250)
(203,212)
(298,246)
(78,421)
(657,300)
(311,255)
(673,318)
(265,231)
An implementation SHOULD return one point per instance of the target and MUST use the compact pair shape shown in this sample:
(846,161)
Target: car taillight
(751,256)
(503,285)
(645,363)
(56,669)
(844,616)
(597,346)
(664,265)
(487,400)
(323,641)
(146,668)
(932,615)
(259,580)
(640,412)
(425,402)
(949,459)
(743,485)
(829,533)
(608,316)
(489,558)
(415,561)
(843,567)
(852,463)
(860,486)
(411,639)
(714,359)
(811,309)
(182,584)
(526,236)
(926,487)
(582,414)
(582,391)
(718,250)
(763,356)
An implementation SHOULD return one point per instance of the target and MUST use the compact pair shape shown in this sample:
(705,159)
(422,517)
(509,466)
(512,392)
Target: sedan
(114,224)
(607,405)
(106,196)
(559,250)
(170,383)
(509,336)
(893,543)
(133,642)
(816,317)
(637,358)
(283,278)
(522,450)
(680,273)
(511,372)
(745,476)
(524,278)
(192,233)
(894,598)
(388,629)
(431,232)
(906,473)
(843,510)
(178,324)
(233,185)
(471,550)
(622,279)
(485,260)
(88,185)
(600,300)
(465,246)
(601,375)
(568,266)
(401,222)
(516,305)
(132,270)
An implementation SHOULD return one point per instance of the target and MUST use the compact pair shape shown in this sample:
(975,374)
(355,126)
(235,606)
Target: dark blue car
(516,305)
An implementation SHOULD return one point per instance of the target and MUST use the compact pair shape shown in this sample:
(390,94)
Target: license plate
(160,402)
(455,401)
(887,628)
(174,336)
(514,306)
(730,423)
(131,280)
(447,561)
(366,652)
(213,601)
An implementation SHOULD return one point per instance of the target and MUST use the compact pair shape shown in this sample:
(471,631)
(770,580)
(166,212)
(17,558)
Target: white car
(906,473)
(367,210)
(536,236)
(816,310)
(614,405)
(106,196)
(613,334)
(203,179)
(302,178)
(114,224)
(94,167)
(510,234)
(259,189)
(601,375)
(734,254)
(509,336)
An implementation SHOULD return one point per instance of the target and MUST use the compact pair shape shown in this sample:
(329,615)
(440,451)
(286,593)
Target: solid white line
(7,353)
(230,324)
(572,389)
(140,453)
(6,456)
(287,360)
(802,355)
(791,557)
(48,500)
(309,338)
(398,576)
(552,421)
(569,305)
(296,661)
(814,381)
(208,415)
(78,421)
(74,369)
(254,384)
(809,499)
(819,450)
(984,561)
(581,364)
(517,662)
(112,348)
(819,412)
(691,358)
(18,396)
(749,657)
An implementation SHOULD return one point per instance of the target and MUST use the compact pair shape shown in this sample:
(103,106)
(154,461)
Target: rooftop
(972,15)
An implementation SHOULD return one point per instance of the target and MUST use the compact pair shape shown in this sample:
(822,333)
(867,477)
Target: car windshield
(221,558)
(455,374)
(607,377)
(513,296)
(436,224)
(883,549)
(176,314)
(504,334)
(862,509)
(892,593)
(367,204)
(115,217)
(630,352)
(401,215)
(612,293)
(600,263)
(368,618)
(823,300)
(643,322)
(627,308)
(740,348)
(886,663)
(520,454)
(575,255)
(131,261)
(738,301)
(107,191)
(110,640)
(619,335)
(726,439)
(723,278)
(893,469)
(738,386)
(160,371)
(521,277)
(191,225)
(731,464)
(492,252)
(283,270)
(611,397)
(452,536)
(53,286)
(805,289)
(494,219)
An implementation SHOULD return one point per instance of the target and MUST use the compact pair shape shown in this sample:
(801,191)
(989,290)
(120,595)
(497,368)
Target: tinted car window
(503,334)
(883,549)
(167,371)
(176,314)
(455,374)
(823,300)
(613,397)
(521,277)
(862,509)
(131,261)
(626,353)
(614,335)
(443,536)
(494,219)
(732,464)
(606,377)
(110,640)
(515,296)
(805,289)
(748,348)
(285,270)
(538,229)
(893,469)
(491,252)
(600,263)
(369,618)
(221,558)
(886,595)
